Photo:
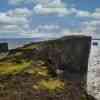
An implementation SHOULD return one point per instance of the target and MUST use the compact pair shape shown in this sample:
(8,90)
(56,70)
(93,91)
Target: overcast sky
(49,18)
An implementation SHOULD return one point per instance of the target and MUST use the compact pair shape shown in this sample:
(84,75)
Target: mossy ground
(12,69)
(26,82)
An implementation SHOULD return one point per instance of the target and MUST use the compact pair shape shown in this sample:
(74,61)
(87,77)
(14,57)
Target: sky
(49,18)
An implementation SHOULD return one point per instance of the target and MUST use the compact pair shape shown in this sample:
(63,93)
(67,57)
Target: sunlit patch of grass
(18,54)
(12,68)
(38,71)
(50,85)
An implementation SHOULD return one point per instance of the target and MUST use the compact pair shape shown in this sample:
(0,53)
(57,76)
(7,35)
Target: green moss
(38,71)
(12,68)
(30,47)
(50,85)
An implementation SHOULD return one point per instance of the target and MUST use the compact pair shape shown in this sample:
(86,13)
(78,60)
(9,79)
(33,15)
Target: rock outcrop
(3,47)
(68,55)
(54,69)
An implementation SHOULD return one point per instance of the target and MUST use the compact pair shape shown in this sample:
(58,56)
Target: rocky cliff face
(53,69)
(68,55)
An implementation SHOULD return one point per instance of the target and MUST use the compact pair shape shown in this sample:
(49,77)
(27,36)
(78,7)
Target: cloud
(50,31)
(55,31)
(20,12)
(46,30)
(92,27)
(39,9)
(56,7)
(47,7)
(48,27)
(20,2)
(96,13)
(44,7)
(66,32)
(16,16)
(15,21)
(18,20)
(88,28)
(83,13)
(60,8)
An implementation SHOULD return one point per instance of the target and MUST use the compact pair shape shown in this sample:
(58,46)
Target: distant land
(18,42)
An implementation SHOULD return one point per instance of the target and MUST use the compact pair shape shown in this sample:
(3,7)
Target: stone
(68,55)
(3,47)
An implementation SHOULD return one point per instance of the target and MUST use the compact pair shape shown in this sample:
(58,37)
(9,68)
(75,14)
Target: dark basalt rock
(3,47)
(68,55)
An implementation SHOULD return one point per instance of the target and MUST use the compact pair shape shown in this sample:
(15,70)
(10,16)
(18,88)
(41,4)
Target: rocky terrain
(93,80)
(49,70)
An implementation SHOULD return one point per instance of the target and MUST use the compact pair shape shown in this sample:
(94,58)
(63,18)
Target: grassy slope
(16,64)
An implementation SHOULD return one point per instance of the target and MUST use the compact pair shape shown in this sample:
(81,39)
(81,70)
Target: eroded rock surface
(63,61)
(93,80)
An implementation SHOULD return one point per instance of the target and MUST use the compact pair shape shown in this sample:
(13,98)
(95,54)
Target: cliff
(53,69)
(68,54)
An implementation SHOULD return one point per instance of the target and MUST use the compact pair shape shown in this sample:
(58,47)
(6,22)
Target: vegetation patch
(38,71)
(12,68)
(50,85)
(35,46)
